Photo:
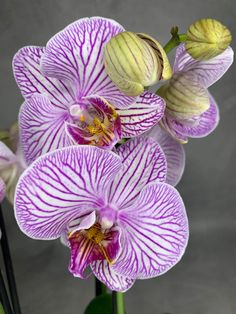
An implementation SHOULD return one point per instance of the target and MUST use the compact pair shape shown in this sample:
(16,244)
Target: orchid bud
(185,98)
(132,63)
(207,38)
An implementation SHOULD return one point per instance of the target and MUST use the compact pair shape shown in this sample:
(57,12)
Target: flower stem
(4,296)
(9,266)
(175,40)
(100,288)
(118,303)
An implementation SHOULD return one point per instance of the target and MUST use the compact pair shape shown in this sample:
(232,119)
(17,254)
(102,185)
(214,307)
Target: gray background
(205,281)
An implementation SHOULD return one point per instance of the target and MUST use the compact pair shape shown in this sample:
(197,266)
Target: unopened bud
(185,98)
(132,63)
(207,38)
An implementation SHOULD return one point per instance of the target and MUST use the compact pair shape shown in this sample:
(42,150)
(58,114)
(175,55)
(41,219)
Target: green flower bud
(132,63)
(185,98)
(207,38)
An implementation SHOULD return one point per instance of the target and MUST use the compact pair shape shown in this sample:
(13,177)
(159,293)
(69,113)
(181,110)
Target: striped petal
(143,162)
(60,187)
(114,281)
(203,126)
(28,75)
(167,124)
(155,233)
(174,152)
(208,71)
(2,190)
(76,54)
(42,127)
(141,116)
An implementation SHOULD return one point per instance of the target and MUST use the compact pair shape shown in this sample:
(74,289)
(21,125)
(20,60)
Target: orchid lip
(95,122)
(92,244)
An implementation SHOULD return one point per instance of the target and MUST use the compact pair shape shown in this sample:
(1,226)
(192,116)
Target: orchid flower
(69,98)
(11,167)
(115,211)
(2,190)
(174,153)
(191,111)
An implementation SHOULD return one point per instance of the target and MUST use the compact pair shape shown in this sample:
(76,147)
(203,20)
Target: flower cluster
(101,153)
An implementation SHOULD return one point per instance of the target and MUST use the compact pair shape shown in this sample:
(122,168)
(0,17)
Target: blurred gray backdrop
(204,282)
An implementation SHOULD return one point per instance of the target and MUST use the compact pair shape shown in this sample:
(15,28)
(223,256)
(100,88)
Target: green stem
(1,309)
(118,302)
(175,41)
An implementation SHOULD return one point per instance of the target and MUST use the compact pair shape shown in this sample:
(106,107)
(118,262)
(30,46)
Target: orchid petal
(174,152)
(11,167)
(62,186)
(6,156)
(114,281)
(143,162)
(26,68)
(42,127)
(155,233)
(206,123)
(2,190)
(76,54)
(209,71)
(141,116)
(167,124)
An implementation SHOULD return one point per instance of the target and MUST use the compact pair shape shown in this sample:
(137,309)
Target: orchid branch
(175,40)
(118,304)
(4,296)
(9,266)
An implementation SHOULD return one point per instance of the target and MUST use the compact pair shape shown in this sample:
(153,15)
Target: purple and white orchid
(115,211)
(11,167)
(192,75)
(69,98)
(2,190)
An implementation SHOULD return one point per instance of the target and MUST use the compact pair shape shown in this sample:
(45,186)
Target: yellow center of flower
(97,125)
(94,235)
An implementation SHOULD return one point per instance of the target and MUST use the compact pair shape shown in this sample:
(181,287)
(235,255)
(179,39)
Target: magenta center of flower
(90,245)
(94,124)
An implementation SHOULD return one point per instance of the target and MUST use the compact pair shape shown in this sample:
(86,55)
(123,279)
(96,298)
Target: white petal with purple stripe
(42,127)
(26,69)
(141,116)
(76,54)
(114,281)
(209,71)
(155,232)
(174,152)
(143,162)
(62,186)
